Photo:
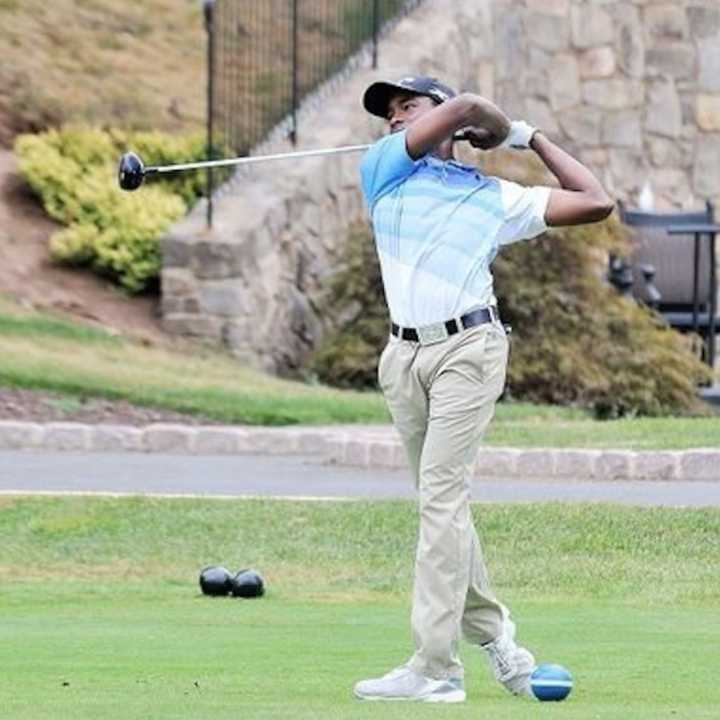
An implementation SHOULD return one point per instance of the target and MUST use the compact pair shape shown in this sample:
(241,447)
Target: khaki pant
(441,398)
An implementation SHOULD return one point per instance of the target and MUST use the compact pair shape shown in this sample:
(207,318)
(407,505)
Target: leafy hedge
(74,171)
(575,340)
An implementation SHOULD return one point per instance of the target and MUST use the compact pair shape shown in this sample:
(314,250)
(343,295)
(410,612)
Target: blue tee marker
(551,682)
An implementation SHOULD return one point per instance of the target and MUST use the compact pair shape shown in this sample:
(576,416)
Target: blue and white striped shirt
(438,226)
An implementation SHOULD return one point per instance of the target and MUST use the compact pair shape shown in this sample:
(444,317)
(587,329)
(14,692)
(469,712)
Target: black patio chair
(673,269)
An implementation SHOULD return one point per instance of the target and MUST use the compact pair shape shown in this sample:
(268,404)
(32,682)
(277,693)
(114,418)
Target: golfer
(438,225)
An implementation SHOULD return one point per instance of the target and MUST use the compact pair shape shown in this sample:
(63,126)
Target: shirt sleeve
(384,166)
(524,209)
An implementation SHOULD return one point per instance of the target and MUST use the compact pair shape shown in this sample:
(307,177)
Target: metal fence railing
(265,56)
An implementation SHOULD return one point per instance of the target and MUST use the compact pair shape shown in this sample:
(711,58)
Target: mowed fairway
(101,616)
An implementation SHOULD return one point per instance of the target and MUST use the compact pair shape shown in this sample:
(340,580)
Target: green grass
(49,353)
(102,617)
(46,352)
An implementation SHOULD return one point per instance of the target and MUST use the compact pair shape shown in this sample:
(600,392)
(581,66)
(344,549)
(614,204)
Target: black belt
(435,332)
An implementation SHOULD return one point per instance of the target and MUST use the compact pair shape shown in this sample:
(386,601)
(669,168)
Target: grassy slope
(102,615)
(138,64)
(42,351)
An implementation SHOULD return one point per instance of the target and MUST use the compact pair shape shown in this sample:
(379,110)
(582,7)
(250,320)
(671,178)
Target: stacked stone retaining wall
(630,86)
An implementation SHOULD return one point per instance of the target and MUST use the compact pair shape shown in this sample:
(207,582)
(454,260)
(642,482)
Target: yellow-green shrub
(74,171)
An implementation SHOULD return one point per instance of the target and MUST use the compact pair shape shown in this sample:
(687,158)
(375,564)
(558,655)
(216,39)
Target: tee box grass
(102,615)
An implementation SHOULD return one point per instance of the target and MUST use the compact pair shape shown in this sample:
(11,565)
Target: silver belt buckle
(431,334)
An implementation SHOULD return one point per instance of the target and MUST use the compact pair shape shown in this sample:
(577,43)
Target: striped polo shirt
(438,226)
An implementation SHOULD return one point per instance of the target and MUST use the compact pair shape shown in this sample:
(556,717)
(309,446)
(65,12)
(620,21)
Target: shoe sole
(456,696)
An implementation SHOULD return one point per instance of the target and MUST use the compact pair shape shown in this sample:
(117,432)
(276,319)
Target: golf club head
(215,580)
(247,584)
(131,171)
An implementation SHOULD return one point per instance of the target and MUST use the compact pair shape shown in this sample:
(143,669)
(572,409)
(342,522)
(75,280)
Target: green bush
(575,340)
(74,171)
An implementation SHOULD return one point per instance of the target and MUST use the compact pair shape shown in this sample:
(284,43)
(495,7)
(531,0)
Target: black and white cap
(377,96)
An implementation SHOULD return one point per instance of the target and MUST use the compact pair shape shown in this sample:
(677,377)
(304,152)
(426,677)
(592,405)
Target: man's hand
(520,135)
(482,138)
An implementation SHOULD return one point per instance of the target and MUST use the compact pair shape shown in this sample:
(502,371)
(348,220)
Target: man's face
(405,108)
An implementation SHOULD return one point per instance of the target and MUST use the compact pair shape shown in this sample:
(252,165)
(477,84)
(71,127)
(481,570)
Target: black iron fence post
(376,27)
(208,9)
(295,56)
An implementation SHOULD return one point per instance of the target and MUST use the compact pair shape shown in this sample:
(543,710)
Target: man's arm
(582,199)
(466,111)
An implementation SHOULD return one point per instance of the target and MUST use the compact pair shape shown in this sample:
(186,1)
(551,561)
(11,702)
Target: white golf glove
(520,135)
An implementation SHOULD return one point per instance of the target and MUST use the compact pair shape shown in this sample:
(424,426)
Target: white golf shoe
(511,664)
(402,683)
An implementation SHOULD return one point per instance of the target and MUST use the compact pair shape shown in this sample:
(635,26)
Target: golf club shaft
(201,164)
(252,159)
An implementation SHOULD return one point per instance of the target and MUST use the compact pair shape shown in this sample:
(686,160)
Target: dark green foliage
(578,341)
(575,340)
(348,357)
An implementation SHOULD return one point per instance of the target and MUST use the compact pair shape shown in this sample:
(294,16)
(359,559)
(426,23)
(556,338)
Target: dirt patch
(28,275)
(43,407)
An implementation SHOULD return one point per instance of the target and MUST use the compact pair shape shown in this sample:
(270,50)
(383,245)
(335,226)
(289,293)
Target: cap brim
(377,97)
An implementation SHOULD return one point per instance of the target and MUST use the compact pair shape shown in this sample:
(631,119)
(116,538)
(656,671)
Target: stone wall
(630,86)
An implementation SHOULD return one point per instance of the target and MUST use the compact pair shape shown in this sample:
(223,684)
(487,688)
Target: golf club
(132,171)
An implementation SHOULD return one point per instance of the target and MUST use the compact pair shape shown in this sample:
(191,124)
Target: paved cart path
(301,476)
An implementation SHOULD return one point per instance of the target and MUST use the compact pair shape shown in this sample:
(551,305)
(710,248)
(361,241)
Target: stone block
(591,26)
(703,21)
(535,464)
(335,450)
(175,252)
(656,466)
(664,152)
(595,158)
(549,7)
(630,42)
(709,64)
(400,458)
(706,170)
(582,125)
(700,465)
(615,465)
(178,281)
(623,129)
(272,441)
(218,440)
(613,93)
(577,464)
(666,21)
(676,60)
(200,326)
(116,438)
(663,113)
(673,183)
(381,454)
(66,436)
(496,462)
(19,435)
(708,112)
(215,260)
(312,442)
(564,82)
(628,168)
(357,453)
(227,298)
(547,31)
(540,115)
(168,438)
(597,62)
